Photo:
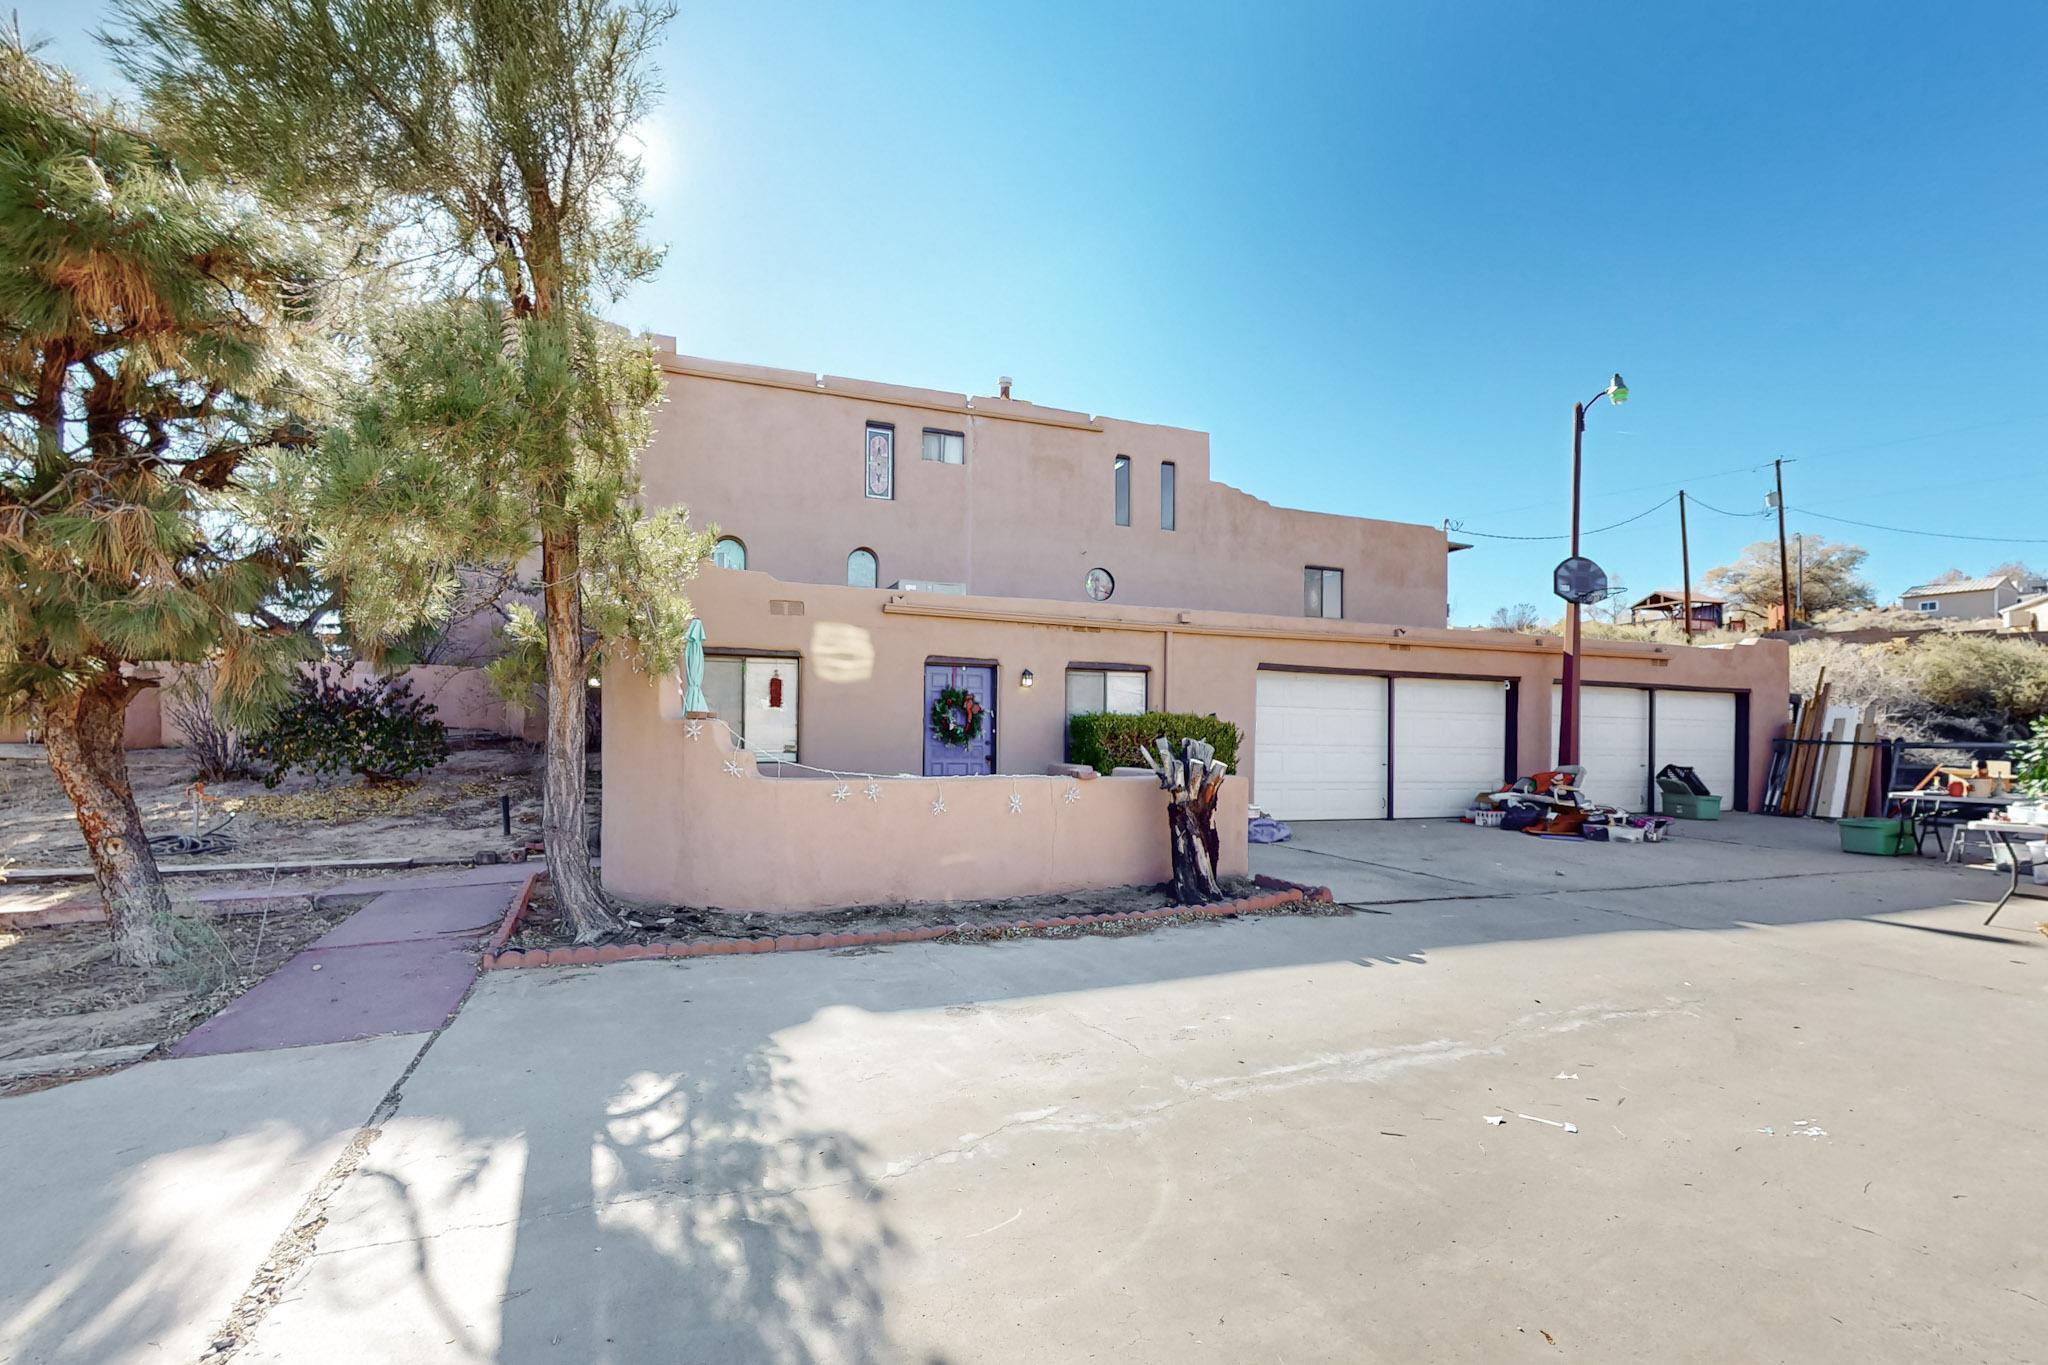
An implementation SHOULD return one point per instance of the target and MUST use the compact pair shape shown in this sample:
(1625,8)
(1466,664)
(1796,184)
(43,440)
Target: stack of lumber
(1829,767)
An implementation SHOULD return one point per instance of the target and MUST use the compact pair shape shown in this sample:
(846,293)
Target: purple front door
(978,755)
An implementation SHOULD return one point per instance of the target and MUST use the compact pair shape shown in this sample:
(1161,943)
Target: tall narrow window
(945,447)
(1323,592)
(1166,496)
(880,464)
(729,553)
(860,569)
(1123,490)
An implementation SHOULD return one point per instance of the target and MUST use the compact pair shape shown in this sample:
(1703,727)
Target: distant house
(1966,599)
(2029,613)
(1668,604)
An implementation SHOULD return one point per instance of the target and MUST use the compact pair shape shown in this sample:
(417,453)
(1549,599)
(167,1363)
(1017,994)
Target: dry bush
(215,745)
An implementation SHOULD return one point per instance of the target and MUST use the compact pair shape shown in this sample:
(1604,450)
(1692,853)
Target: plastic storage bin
(1883,837)
(1690,807)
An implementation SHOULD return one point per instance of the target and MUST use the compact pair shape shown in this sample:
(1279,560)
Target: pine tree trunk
(564,829)
(82,736)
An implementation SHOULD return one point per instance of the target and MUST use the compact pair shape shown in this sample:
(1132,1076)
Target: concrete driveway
(1806,1087)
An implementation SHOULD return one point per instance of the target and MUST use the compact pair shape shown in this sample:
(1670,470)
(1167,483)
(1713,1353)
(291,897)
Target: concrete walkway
(401,964)
(1806,1089)
(139,1205)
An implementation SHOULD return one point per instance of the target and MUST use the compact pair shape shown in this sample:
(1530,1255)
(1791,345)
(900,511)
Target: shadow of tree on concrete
(696,1240)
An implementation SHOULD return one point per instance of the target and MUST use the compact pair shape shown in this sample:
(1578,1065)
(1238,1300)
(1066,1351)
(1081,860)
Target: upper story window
(1323,592)
(1166,496)
(945,447)
(861,569)
(1123,490)
(879,465)
(729,553)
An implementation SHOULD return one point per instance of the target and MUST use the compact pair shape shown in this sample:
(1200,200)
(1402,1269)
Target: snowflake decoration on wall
(938,805)
(732,767)
(841,792)
(872,791)
(693,730)
(1016,804)
(1073,795)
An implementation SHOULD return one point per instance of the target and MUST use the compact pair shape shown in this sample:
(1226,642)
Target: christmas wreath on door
(956,717)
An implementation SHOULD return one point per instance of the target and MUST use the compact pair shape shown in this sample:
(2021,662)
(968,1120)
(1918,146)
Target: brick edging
(1314,895)
(500,959)
(516,912)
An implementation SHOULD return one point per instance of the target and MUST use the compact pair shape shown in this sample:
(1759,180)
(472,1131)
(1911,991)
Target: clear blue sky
(1377,251)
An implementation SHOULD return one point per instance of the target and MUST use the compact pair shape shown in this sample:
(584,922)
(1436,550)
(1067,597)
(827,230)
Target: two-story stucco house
(880,543)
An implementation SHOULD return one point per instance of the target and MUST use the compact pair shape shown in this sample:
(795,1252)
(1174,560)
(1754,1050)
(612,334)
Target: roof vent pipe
(1003,386)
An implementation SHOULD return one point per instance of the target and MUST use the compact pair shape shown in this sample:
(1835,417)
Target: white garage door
(1697,729)
(1448,742)
(1614,743)
(1319,751)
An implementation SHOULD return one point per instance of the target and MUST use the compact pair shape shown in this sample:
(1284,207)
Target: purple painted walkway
(398,965)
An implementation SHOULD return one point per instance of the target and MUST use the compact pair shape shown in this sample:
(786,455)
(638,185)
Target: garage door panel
(1697,729)
(1614,743)
(1450,738)
(1319,748)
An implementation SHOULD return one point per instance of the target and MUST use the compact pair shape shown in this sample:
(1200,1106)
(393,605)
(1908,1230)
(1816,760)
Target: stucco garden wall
(863,653)
(462,698)
(691,821)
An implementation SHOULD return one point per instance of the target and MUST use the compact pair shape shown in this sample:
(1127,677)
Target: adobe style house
(1966,599)
(881,543)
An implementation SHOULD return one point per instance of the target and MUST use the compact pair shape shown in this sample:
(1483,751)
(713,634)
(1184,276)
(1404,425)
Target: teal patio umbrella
(693,668)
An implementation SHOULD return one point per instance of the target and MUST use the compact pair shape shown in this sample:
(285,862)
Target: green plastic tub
(1883,837)
(1691,807)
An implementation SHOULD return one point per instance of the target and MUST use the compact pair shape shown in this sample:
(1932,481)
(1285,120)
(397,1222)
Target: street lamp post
(1568,703)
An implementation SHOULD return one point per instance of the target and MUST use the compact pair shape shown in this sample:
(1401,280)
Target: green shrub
(375,727)
(1105,741)
(2030,760)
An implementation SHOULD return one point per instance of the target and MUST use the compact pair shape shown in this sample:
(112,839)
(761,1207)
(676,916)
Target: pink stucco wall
(462,697)
(773,458)
(862,655)
(681,827)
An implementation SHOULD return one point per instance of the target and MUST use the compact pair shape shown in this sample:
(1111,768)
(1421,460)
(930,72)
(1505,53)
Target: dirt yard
(451,812)
(668,924)
(62,992)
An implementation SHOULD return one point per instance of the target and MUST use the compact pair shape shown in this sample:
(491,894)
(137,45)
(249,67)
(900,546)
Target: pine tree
(491,143)
(153,347)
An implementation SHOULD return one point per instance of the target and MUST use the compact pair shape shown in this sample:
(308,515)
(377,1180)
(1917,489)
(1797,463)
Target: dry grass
(363,801)
(61,989)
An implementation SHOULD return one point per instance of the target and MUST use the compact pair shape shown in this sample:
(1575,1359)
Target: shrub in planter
(1104,741)
(375,727)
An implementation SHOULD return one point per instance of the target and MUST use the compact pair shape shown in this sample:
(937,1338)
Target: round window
(1100,585)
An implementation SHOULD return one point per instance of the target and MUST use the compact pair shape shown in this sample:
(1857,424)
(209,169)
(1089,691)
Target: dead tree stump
(1192,780)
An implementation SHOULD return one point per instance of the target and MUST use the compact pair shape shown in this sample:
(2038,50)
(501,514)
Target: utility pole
(1802,573)
(1685,565)
(1784,568)
(1568,684)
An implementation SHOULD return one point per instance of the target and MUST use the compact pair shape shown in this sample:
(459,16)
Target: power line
(1611,526)
(1858,448)
(1693,499)
(1913,531)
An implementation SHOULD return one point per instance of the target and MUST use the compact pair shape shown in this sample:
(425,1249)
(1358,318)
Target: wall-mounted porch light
(1025,679)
